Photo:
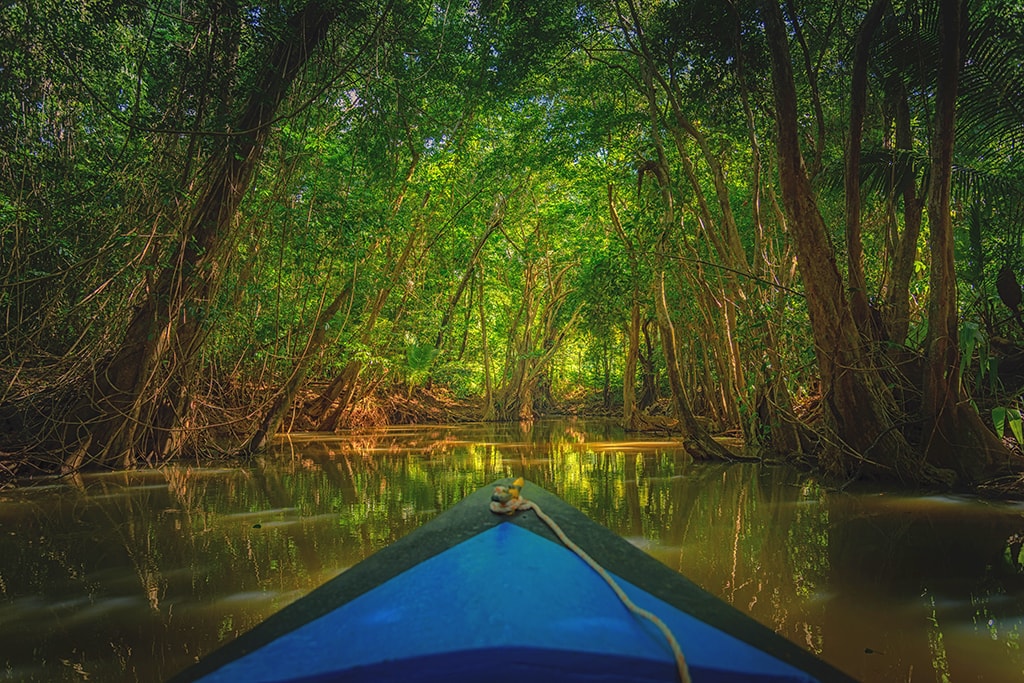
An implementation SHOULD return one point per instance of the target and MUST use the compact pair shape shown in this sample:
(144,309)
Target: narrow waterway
(132,576)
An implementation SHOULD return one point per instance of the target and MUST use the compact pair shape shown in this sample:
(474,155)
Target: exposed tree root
(1009,486)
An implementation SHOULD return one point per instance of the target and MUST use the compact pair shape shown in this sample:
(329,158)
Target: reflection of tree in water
(93,575)
(1015,551)
(940,568)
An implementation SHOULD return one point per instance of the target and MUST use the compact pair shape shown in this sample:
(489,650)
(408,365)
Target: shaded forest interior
(798,224)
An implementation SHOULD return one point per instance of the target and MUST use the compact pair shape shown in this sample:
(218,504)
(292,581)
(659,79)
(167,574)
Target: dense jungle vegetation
(798,222)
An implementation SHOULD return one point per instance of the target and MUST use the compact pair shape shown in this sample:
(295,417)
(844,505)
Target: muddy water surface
(132,576)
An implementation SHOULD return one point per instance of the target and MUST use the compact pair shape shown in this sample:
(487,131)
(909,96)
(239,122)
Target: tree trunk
(697,442)
(858,104)
(783,428)
(488,411)
(137,396)
(530,357)
(606,376)
(339,396)
(648,373)
(722,232)
(632,419)
(858,405)
(508,400)
(898,294)
(955,436)
(812,81)
(630,409)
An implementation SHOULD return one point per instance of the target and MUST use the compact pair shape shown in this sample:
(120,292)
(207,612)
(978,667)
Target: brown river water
(132,576)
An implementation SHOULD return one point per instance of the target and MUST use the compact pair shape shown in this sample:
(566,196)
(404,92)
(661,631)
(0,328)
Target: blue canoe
(475,596)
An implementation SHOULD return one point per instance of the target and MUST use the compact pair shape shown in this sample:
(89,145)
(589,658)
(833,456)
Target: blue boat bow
(477,596)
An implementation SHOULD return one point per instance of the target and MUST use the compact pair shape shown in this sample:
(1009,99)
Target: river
(131,576)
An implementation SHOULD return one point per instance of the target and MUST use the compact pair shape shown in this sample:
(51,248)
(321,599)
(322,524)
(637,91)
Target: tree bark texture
(858,406)
(858,104)
(955,438)
(898,293)
(632,411)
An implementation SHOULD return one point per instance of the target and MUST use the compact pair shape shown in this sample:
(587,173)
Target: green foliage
(1003,417)
(606,290)
(419,127)
(975,349)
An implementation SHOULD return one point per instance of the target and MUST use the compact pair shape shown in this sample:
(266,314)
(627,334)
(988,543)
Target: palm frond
(991,101)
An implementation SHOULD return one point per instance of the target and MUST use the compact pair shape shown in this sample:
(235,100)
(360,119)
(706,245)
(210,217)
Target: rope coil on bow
(506,500)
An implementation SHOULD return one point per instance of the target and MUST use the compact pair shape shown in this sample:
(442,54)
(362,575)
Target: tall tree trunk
(508,400)
(632,419)
(722,232)
(776,410)
(783,428)
(812,81)
(530,351)
(648,372)
(630,408)
(488,411)
(898,294)
(697,442)
(955,436)
(858,405)
(858,104)
(717,330)
(134,406)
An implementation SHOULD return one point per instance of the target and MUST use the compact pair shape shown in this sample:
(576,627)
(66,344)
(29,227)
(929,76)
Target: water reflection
(132,576)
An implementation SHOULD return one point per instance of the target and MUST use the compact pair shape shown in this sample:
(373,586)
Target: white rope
(507,501)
